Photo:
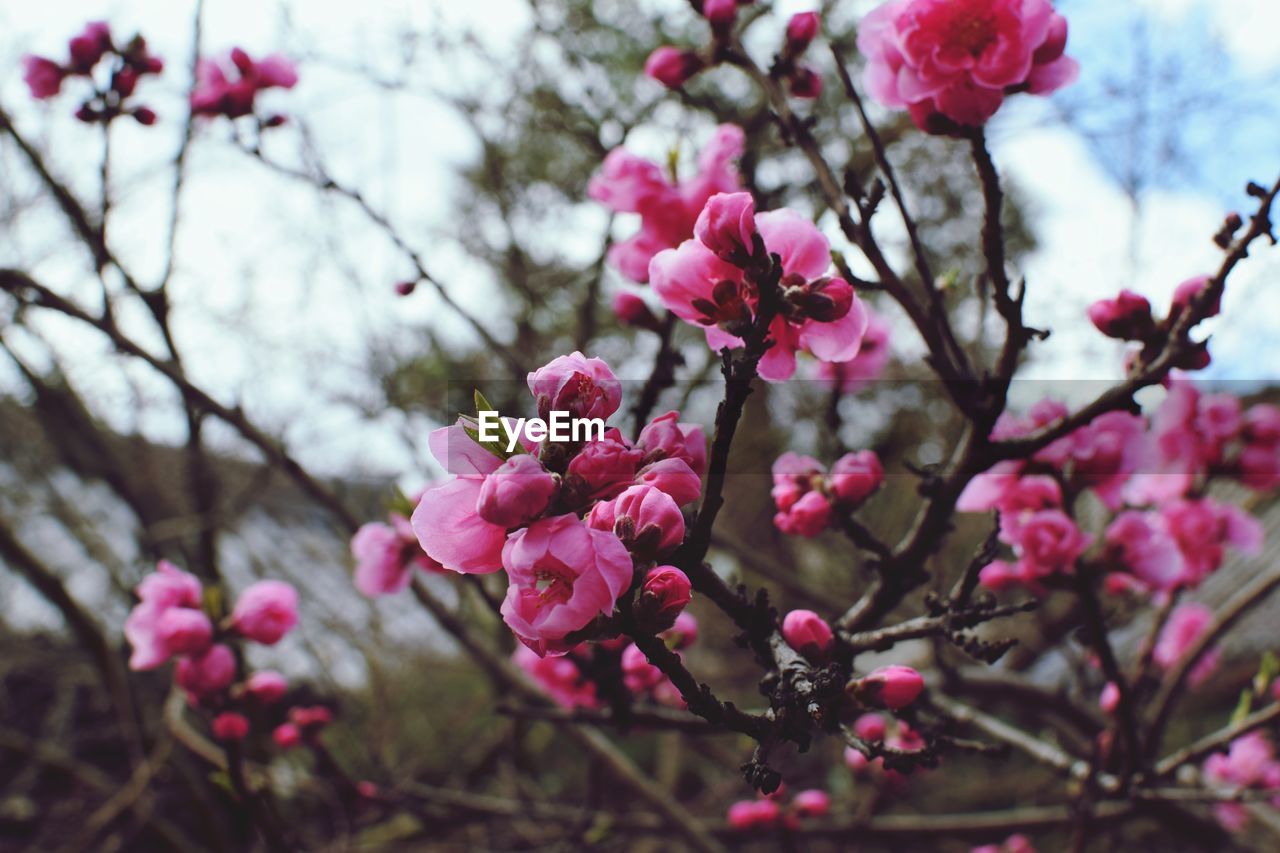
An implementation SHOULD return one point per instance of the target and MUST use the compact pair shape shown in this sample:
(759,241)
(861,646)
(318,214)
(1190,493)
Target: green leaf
(1268,669)
(1243,706)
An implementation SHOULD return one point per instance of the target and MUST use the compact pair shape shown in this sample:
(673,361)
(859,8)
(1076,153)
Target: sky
(278,298)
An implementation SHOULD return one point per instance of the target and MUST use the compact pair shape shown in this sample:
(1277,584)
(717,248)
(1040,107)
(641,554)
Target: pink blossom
(720,12)
(631,310)
(794,476)
(870,727)
(807,517)
(1049,542)
(1186,625)
(518,491)
(266,611)
(184,631)
(703,290)
(808,633)
(801,31)
(683,633)
(445,521)
(286,736)
(673,476)
(804,82)
(229,85)
(1109,700)
(563,574)
(1024,497)
(602,470)
(1001,574)
(665,437)
(230,726)
(727,227)
(638,674)
(559,677)
(855,476)
(163,590)
(871,360)
(951,62)
(629,184)
(672,67)
(754,814)
(1013,844)
(892,687)
(1139,542)
(207,673)
(88,48)
(1189,290)
(266,686)
(42,76)
(1127,316)
(310,719)
(645,518)
(385,555)
(1204,528)
(812,803)
(1106,453)
(583,387)
(665,593)
(1250,762)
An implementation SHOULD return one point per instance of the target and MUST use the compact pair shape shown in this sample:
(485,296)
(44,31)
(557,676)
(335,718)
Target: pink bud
(517,492)
(368,790)
(812,803)
(184,631)
(583,387)
(807,633)
(870,727)
(892,687)
(855,760)
(230,726)
(665,437)
(405,288)
(267,686)
(805,83)
(644,517)
(801,31)
(855,476)
(125,81)
(144,116)
(1109,701)
(808,516)
(42,76)
(1127,316)
(675,477)
(720,12)
(684,633)
(754,814)
(665,593)
(310,719)
(672,67)
(89,47)
(286,736)
(266,611)
(633,311)
(207,673)
(1190,289)
(727,226)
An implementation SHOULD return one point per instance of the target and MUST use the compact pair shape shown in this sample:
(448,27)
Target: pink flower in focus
(892,687)
(856,476)
(518,491)
(808,633)
(445,521)
(602,470)
(672,67)
(629,184)
(563,574)
(663,596)
(951,62)
(42,76)
(583,387)
(229,85)
(266,686)
(673,476)
(645,518)
(230,726)
(705,291)
(208,673)
(266,611)
(727,227)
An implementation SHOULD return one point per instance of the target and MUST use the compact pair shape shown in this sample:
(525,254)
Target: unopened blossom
(559,678)
(1013,844)
(633,311)
(286,736)
(207,673)
(266,686)
(727,227)
(87,49)
(1126,316)
(821,314)
(807,517)
(675,477)
(683,633)
(720,12)
(870,727)
(386,555)
(892,687)
(808,633)
(229,85)
(645,518)
(673,67)
(184,630)
(310,718)
(583,387)
(602,469)
(518,491)
(754,814)
(802,28)
(951,63)
(855,477)
(266,611)
(1184,293)
(812,803)
(42,76)
(1109,700)
(230,726)
(665,593)
(795,478)
(446,522)
(563,575)
(668,210)
(804,82)
(665,437)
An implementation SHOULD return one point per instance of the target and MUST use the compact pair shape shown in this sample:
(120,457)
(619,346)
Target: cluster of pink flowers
(229,85)
(874,728)
(1249,764)
(772,811)
(627,183)
(952,62)
(386,555)
(806,495)
(574,524)
(91,50)
(706,281)
(1128,317)
(170,622)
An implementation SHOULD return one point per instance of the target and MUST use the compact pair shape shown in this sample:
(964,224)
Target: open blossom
(386,555)
(630,184)
(952,62)
(855,476)
(583,387)
(1204,528)
(563,574)
(154,634)
(870,362)
(808,633)
(1250,763)
(449,528)
(821,315)
(229,85)
(266,611)
(1049,542)
(518,491)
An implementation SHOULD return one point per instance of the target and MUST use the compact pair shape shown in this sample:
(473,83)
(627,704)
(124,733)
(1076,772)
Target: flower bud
(310,719)
(517,492)
(808,516)
(808,633)
(286,736)
(801,31)
(645,518)
(208,672)
(89,47)
(812,803)
(583,387)
(891,687)
(727,226)
(1109,701)
(633,311)
(1190,289)
(855,476)
(266,686)
(805,83)
(720,13)
(42,76)
(665,594)
(665,437)
(870,727)
(266,611)
(184,631)
(683,634)
(144,116)
(672,67)
(230,726)
(754,814)
(1127,316)
(673,476)
(406,288)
